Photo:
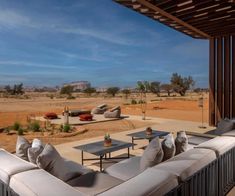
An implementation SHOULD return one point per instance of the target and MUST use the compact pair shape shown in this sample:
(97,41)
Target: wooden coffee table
(142,135)
(98,149)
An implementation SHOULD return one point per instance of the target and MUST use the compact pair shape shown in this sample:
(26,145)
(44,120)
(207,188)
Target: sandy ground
(17,110)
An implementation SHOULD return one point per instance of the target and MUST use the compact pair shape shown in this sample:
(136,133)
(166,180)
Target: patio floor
(68,151)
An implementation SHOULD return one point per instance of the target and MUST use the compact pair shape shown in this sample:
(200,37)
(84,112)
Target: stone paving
(68,151)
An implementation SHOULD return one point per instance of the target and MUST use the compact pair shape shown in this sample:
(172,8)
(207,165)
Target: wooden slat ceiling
(197,18)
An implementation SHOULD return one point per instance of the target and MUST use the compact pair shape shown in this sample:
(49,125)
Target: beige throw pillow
(51,161)
(168,147)
(152,155)
(181,142)
(22,146)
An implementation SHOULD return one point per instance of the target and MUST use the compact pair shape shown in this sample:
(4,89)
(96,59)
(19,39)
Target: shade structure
(203,19)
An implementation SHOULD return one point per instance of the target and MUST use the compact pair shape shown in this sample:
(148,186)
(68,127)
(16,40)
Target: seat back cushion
(151,182)
(152,155)
(11,164)
(40,183)
(187,163)
(181,142)
(168,147)
(22,145)
(115,108)
(220,144)
(51,161)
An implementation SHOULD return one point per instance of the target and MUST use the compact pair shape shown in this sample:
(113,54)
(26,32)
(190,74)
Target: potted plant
(107,140)
(149,131)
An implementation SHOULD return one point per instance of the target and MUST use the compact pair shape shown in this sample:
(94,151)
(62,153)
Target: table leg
(132,143)
(128,152)
(109,154)
(101,159)
(82,157)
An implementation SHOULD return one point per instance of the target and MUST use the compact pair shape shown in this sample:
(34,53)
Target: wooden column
(227,73)
(212,83)
(222,78)
(233,75)
(219,105)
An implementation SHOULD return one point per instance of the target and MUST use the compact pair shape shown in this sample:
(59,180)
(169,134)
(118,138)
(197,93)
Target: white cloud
(30,64)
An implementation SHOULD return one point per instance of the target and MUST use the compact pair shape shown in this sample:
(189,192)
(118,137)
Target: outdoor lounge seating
(100,109)
(208,169)
(113,113)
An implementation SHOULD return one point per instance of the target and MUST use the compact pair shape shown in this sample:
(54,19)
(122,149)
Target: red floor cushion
(50,115)
(85,117)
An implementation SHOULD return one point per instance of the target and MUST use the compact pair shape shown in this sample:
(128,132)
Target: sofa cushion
(224,126)
(181,142)
(51,161)
(115,108)
(94,183)
(152,155)
(102,106)
(187,163)
(11,164)
(40,183)
(151,182)
(22,146)
(220,144)
(168,147)
(125,169)
(229,133)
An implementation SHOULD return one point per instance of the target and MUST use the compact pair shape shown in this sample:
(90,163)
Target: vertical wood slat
(233,76)
(226,77)
(219,103)
(212,83)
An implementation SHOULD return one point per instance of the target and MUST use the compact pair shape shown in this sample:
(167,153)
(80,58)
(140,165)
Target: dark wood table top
(98,148)
(143,135)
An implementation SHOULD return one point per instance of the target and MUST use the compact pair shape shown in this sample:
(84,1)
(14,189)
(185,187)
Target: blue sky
(49,42)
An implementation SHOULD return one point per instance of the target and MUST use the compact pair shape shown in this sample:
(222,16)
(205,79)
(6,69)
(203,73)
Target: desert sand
(17,110)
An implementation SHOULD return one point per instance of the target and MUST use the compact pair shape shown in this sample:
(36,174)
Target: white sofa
(183,172)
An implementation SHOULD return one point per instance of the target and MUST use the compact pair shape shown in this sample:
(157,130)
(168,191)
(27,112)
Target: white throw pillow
(152,155)
(168,147)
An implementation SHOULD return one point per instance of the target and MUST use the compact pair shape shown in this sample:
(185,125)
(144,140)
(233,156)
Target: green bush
(141,101)
(16,126)
(133,102)
(20,131)
(35,126)
(66,128)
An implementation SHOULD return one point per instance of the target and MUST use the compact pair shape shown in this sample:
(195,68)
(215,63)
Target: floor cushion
(86,117)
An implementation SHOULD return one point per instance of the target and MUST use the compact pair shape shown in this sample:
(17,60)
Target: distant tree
(198,90)
(143,87)
(16,90)
(67,90)
(89,91)
(154,87)
(180,84)
(126,92)
(112,91)
(168,88)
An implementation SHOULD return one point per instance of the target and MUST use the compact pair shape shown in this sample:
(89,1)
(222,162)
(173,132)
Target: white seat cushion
(151,182)
(187,163)
(230,133)
(125,169)
(219,144)
(11,164)
(40,183)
